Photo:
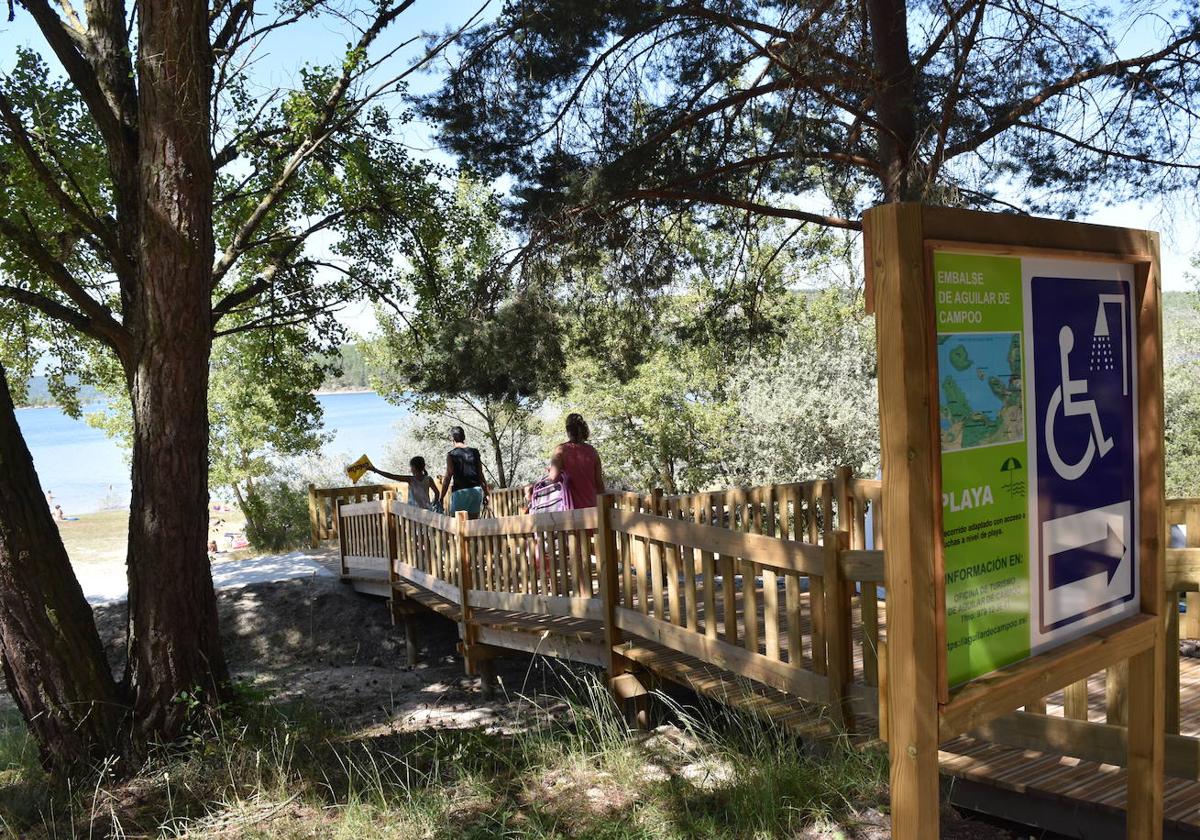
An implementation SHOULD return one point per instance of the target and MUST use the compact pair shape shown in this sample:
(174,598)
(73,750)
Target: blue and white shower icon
(1076,397)
(1102,350)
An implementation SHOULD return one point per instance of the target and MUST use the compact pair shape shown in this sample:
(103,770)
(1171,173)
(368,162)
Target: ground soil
(316,639)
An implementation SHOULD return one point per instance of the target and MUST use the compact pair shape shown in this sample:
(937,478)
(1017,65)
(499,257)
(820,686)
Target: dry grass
(96,537)
(265,771)
(102,537)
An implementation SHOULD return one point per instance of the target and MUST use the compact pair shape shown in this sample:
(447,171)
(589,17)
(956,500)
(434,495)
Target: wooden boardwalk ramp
(767,600)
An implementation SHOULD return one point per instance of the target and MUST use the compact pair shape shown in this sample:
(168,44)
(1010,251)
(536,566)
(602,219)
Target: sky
(324,41)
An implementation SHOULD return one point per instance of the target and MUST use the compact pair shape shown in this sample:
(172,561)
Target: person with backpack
(464,477)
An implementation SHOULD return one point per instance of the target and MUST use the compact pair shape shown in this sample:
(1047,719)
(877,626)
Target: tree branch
(755,207)
(73,50)
(101,320)
(321,131)
(53,309)
(1032,103)
(91,223)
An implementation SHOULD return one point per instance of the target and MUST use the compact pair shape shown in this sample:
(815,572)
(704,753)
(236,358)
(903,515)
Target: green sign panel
(980,341)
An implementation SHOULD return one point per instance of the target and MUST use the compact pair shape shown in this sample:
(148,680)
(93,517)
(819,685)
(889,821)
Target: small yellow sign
(358,469)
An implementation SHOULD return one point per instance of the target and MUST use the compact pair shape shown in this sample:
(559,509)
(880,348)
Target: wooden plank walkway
(1053,778)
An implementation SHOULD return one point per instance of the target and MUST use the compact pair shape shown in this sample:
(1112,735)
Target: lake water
(88,472)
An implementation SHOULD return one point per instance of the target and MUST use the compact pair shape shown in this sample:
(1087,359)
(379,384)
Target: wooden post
(655,550)
(1075,700)
(392,543)
(1147,671)
(410,638)
(839,662)
(312,516)
(1116,693)
(893,235)
(473,661)
(843,493)
(337,514)
(465,582)
(606,557)
(1171,663)
(619,670)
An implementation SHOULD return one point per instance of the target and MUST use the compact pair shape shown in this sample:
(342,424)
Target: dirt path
(315,638)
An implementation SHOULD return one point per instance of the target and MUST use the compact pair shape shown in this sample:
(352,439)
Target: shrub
(276,516)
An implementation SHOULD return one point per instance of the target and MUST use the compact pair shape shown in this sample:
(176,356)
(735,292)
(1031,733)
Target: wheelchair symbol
(1070,397)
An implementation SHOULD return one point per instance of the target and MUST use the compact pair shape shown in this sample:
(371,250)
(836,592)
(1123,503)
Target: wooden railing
(507,501)
(803,511)
(749,580)
(685,573)
(365,535)
(678,583)
(542,563)
(428,551)
(322,504)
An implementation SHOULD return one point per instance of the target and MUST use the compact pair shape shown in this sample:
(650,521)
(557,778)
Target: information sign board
(1038,431)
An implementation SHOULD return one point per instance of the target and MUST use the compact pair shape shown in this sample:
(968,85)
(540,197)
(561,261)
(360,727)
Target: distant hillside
(39,395)
(356,375)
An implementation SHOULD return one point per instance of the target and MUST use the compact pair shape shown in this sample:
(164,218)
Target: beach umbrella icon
(1010,468)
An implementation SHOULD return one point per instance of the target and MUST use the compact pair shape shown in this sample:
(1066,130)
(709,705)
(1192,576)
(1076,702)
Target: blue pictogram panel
(1086,446)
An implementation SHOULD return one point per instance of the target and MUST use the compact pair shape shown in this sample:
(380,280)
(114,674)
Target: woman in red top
(581,462)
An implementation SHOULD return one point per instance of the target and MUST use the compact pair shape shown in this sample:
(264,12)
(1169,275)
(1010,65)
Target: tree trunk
(54,664)
(174,645)
(502,476)
(895,100)
(247,511)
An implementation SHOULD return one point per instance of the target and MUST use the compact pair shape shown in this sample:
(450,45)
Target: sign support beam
(895,250)
(1147,672)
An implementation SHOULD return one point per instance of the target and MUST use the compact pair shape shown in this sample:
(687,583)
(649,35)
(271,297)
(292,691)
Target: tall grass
(274,772)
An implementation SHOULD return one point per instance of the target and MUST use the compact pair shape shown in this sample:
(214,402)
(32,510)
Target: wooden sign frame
(899,241)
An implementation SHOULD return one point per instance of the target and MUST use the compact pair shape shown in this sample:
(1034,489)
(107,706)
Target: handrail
(528,523)
(426,517)
(785,555)
(322,505)
(674,556)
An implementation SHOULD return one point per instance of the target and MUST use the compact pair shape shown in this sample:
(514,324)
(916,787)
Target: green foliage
(302,227)
(1181,387)
(659,428)
(261,405)
(54,113)
(276,515)
(476,331)
(733,373)
(37,393)
(699,416)
(481,350)
(812,405)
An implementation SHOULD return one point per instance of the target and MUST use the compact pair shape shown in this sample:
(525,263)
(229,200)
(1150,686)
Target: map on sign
(980,389)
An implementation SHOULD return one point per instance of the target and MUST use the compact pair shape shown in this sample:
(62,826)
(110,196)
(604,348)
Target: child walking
(421,486)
